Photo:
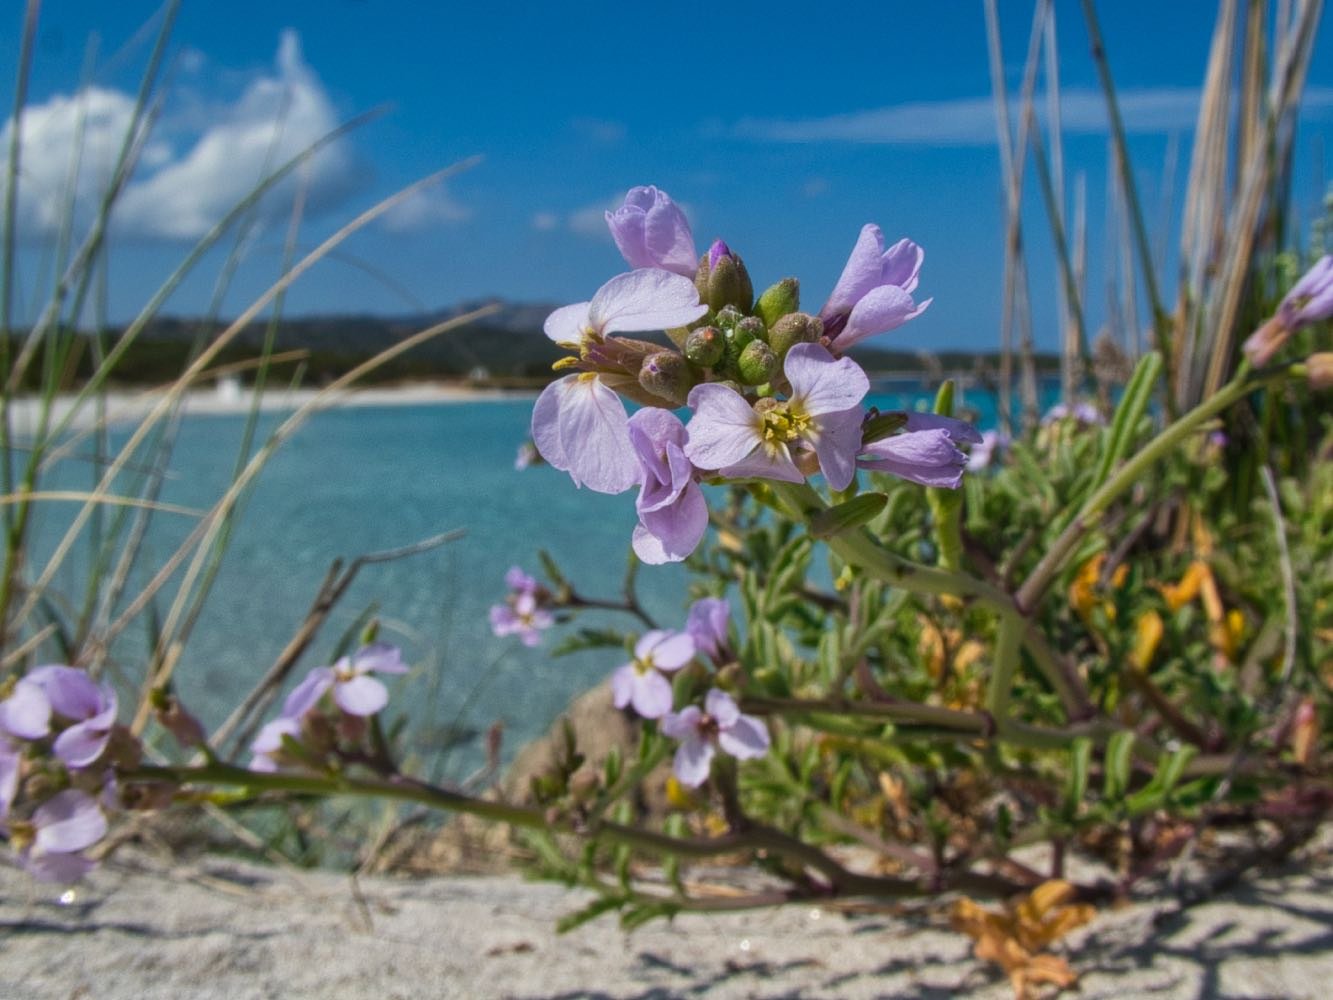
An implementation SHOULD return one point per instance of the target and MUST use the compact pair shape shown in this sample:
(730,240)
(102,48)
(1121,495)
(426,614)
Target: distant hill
(507,347)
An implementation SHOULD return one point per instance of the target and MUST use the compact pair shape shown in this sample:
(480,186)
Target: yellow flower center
(784,423)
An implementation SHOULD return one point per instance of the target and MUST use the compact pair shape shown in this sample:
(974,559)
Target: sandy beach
(214,928)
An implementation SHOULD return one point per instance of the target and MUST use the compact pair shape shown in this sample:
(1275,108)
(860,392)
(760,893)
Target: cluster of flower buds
(327,710)
(525,611)
(59,743)
(770,393)
(642,684)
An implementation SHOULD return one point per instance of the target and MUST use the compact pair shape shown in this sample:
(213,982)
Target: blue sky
(781,128)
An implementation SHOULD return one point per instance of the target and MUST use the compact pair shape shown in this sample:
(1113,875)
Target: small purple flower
(707,626)
(354,690)
(640,682)
(874,294)
(267,743)
(90,706)
(927,457)
(672,513)
(523,617)
(652,231)
(823,414)
(1082,412)
(520,582)
(1309,301)
(579,425)
(51,845)
(24,715)
(719,724)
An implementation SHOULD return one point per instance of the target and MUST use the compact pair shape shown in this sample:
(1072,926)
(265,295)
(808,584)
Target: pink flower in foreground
(89,705)
(579,425)
(926,452)
(823,415)
(874,294)
(640,682)
(651,231)
(672,513)
(719,725)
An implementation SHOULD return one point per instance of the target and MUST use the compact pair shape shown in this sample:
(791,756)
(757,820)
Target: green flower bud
(667,375)
(778,300)
(757,363)
(705,346)
(753,328)
(722,279)
(792,329)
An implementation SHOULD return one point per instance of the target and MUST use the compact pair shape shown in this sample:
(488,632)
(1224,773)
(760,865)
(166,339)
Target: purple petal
(837,444)
(545,429)
(568,324)
(594,437)
(707,624)
(516,579)
(81,744)
(651,694)
(651,231)
(268,740)
(71,692)
(745,739)
(1315,286)
(683,724)
(9,778)
(672,650)
(503,620)
(860,274)
(380,658)
(960,431)
(721,707)
(68,821)
(926,457)
(26,713)
(362,695)
(879,311)
(765,464)
(670,533)
(724,428)
(692,761)
(622,685)
(822,385)
(646,299)
(61,868)
(306,695)
(901,265)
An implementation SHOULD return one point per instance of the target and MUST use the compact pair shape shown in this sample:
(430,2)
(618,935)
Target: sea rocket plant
(718,725)
(640,683)
(769,393)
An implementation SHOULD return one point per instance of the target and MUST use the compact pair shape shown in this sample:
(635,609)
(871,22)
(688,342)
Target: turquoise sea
(364,479)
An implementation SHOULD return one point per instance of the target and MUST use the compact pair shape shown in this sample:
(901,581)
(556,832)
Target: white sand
(221,929)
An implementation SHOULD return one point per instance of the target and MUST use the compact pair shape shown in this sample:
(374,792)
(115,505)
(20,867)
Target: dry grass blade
(196,369)
(105,499)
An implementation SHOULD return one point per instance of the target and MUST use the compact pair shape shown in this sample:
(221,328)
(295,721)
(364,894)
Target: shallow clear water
(360,480)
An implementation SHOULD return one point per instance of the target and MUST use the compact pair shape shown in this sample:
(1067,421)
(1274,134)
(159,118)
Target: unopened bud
(722,279)
(792,329)
(705,346)
(778,300)
(1319,370)
(665,374)
(757,363)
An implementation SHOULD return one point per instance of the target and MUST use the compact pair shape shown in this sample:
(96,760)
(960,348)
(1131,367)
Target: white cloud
(970,121)
(600,131)
(184,184)
(590,220)
(544,222)
(427,209)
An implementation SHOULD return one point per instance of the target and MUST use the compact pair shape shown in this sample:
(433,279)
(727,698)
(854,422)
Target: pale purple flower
(354,690)
(1309,301)
(90,706)
(823,414)
(959,431)
(268,742)
(874,294)
(24,715)
(927,457)
(640,682)
(523,617)
(1082,412)
(62,828)
(983,454)
(520,582)
(672,513)
(579,425)
(707,626)
(652,231)
(719,725)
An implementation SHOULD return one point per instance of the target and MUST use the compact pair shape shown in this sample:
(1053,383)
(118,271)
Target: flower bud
(792,329)
(778,300)
(757,363)
(722,279)
(1319,370)
(705,346)
(666,374)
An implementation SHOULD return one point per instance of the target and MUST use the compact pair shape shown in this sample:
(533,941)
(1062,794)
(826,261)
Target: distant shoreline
(128,406)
